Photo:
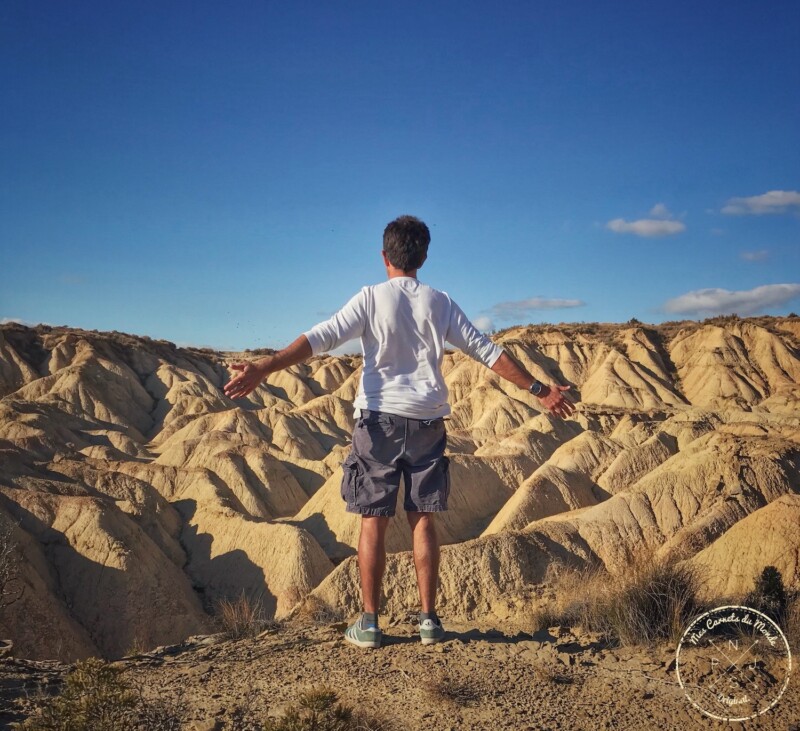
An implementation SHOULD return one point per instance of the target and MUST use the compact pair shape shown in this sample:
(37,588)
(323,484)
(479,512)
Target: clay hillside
(137,495)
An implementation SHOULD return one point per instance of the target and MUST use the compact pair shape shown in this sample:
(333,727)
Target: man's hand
(251,375)
(551,397)
(553,400)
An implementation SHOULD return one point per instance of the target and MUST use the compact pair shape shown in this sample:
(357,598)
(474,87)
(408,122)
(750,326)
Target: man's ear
(386,259)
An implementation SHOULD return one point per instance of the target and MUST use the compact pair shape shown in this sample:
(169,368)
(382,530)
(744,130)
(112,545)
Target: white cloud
(484,323)
(21,321)
(759,255)
(659,210)
(774,201)
(523,308)
(721,301)
(647,227)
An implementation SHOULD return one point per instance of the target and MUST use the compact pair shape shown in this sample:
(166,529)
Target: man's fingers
(238,393)
(561,407)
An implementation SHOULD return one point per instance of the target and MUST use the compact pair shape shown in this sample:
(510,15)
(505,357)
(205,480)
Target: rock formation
(139,495)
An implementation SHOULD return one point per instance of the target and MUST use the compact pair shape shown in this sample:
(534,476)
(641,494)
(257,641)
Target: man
(400,409)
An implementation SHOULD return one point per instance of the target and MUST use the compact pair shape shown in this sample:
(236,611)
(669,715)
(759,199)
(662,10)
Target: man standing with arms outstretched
(400,409)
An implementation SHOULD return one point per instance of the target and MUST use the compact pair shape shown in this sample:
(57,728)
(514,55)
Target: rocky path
(479,678)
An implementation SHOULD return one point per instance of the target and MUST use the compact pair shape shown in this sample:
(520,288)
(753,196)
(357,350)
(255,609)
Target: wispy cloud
(661,223)
(647,227)
(774,201)
(659,210)
(759,255)
(724,301)
(522,309)
(484,323)
(21,321)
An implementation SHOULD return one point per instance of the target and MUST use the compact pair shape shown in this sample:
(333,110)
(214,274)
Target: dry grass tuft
(319,710)
(314,611)
(243,617)
(448,688)
(548,674)
(651,600)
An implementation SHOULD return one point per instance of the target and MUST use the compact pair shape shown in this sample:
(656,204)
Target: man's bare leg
(372,559)
(426,557)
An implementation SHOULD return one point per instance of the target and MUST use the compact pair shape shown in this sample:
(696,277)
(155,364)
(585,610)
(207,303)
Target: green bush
(768,595)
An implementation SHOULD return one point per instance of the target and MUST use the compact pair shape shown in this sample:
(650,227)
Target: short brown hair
(405,243)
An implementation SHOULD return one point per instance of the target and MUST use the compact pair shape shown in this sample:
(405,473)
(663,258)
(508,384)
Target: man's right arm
(345,325)
(253,373)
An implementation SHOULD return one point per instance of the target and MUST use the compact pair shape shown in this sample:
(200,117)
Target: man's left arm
(551,397)
(464,335)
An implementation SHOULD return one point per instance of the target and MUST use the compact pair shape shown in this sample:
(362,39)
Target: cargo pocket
(446,470)
(377,424)
(350,476)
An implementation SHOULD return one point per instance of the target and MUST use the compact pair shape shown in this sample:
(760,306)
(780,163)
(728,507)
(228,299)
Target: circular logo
(733,663)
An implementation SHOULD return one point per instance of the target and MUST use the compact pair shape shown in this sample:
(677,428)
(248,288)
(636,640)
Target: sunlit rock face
(137,495)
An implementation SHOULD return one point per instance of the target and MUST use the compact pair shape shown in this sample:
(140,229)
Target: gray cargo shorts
(386,447)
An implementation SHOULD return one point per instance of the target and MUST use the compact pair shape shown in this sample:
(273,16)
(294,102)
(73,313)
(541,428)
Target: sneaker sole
(430,640)
(369,644)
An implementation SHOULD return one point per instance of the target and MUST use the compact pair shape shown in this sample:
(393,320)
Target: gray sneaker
(431,631)
(369,637)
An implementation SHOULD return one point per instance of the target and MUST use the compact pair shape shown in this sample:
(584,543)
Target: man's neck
(392,273)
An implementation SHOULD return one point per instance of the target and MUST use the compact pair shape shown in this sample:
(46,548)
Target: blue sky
(221,173)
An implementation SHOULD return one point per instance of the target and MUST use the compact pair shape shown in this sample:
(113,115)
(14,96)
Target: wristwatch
(536,388)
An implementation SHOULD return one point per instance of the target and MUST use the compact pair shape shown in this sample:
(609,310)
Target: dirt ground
(478,678)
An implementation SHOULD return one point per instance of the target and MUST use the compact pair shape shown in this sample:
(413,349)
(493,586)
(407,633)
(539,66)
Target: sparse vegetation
(319,710)
(96,697)
(243,617)
(651,600)
(451,689)
(768,596)
(11,587)
(315,611)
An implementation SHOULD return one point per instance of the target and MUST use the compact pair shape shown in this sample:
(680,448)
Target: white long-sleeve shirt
(403,325)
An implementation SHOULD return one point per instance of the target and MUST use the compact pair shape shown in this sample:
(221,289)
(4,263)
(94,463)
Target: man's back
(398,432)
(403,325)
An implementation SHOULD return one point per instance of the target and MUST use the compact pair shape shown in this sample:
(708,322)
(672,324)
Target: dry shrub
(453,690)
(243,617)
(315,611)
(319,710)
(96,697)
(651,600)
